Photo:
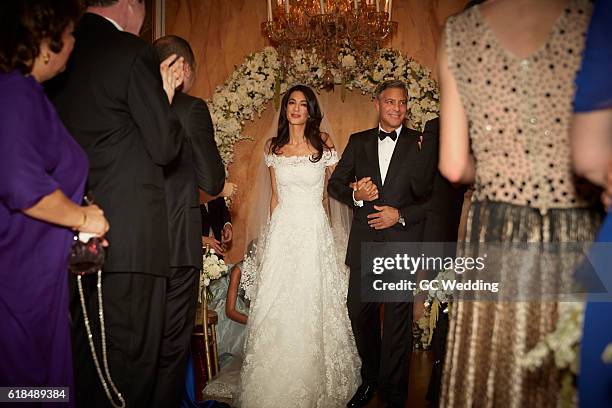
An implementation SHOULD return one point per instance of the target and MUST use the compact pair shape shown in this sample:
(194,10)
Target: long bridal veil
(339,215)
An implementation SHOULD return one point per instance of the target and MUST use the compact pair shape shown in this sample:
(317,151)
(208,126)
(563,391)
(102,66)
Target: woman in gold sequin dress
(506,100)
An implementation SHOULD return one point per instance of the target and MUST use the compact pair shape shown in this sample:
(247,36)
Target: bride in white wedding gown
(300,350)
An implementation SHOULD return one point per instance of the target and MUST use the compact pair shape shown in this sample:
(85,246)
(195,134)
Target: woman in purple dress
(43,172)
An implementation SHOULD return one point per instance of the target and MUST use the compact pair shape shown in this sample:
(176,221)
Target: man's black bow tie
(382,135)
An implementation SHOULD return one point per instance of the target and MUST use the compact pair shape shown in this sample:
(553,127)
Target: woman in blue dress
(592,151)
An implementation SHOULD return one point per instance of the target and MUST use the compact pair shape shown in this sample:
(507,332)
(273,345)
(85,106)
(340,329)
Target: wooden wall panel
(223,32)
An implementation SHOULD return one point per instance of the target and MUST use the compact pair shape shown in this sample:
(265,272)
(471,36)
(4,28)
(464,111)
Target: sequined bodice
(519,110)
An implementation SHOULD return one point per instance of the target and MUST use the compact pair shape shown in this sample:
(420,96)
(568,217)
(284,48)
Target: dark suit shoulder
(94,28)
(432,129)
(183,98)
(183,102)
(133,43)
(433,125)
(191,111)
(410,132)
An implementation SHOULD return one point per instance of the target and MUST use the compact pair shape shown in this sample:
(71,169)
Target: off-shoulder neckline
(297,156)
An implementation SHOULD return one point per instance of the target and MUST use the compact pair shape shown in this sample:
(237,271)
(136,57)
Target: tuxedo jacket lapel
(371,148)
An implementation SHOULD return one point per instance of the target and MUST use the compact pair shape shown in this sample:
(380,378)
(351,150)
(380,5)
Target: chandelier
(327,27)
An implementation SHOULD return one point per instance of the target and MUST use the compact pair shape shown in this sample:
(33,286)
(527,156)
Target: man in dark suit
(217,228)
(198,165)
(113,102)
(392,181)
(446,202)
(441,225)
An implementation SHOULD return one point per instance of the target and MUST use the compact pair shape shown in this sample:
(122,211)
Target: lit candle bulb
(269,10)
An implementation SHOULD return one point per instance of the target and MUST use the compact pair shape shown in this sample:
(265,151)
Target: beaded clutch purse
(87,255)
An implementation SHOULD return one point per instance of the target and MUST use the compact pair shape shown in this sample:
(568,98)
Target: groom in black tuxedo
(392,171)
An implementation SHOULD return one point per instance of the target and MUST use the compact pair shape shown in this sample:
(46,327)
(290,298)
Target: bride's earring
(46,58)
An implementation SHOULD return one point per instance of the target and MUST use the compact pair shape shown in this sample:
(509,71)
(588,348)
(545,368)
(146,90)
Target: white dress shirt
(385,152)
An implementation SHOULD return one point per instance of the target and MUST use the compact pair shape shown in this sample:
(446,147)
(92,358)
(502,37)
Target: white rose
(424,82)
(348,61)
(429,116)
(414,91)
(247,112)
(217,99)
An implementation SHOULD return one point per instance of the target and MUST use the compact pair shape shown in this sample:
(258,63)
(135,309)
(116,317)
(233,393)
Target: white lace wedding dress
(300,350)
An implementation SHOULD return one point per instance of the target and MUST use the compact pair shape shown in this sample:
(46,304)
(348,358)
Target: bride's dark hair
(312,133)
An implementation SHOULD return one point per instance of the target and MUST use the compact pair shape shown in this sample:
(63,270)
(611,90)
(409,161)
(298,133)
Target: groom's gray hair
(393,83)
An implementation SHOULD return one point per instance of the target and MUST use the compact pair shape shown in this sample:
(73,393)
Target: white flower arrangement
(441,295)
(421,333)
(259,79)
(435,300)
(213,268)
(563,344)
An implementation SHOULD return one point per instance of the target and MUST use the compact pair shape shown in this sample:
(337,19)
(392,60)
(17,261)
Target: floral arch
(259,80)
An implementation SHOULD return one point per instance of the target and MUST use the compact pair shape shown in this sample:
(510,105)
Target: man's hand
(172,74)
(229,190)
(227,233)
(212,243)
(385,217)
(365,190)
